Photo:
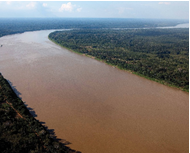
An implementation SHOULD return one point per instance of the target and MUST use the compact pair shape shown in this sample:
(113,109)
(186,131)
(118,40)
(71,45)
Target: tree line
(19,25)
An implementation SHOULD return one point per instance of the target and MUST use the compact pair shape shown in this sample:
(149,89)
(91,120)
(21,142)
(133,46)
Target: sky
(96,9)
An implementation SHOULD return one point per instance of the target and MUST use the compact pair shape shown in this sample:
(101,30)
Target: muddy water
(97,108)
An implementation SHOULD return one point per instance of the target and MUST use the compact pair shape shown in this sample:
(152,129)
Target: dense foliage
(159,54)
(19,131)
(19,25)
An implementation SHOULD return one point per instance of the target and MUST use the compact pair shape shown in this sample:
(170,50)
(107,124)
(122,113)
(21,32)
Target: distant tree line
(19,25)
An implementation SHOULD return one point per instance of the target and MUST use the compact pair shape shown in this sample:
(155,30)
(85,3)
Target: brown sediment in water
(92,105)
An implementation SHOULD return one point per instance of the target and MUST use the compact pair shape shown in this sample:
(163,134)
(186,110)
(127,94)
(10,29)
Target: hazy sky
(97,9)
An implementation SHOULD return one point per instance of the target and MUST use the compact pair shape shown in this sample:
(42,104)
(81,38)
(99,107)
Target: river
(183,25)
(95,107)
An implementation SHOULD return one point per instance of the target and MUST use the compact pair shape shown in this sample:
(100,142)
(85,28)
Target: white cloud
(66,7)
(44,4)
(31,5)
(8,2)
(165,3)
(69,7)
(79,9)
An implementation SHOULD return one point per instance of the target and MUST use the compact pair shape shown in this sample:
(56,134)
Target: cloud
(79,9)
(66,7)
(165,3)
(44,4)
(31,5)
(69,7)
(8,2)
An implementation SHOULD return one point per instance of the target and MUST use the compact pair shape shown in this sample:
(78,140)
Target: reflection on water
(92,105)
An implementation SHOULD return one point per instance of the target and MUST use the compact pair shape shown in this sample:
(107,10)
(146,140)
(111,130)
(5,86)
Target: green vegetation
(19,130)
(158,54)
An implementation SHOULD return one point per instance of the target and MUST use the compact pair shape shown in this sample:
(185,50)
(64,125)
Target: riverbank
(115,66)
(19,130)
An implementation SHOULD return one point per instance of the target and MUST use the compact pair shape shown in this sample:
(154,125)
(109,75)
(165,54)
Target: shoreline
(32,128)
(115,66)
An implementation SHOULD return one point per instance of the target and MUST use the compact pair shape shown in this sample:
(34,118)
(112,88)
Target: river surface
(183,25)
(97,108)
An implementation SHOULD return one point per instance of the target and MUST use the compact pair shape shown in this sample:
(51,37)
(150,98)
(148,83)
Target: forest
(19,25)
(20,132)
(161,55)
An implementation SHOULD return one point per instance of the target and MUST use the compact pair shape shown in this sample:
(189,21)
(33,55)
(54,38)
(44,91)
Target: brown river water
(95,107)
